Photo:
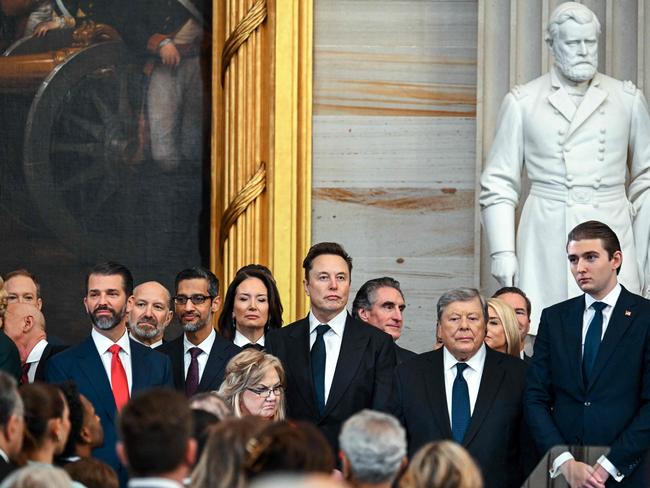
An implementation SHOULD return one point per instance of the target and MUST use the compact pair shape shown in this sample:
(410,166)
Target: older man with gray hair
(465,392)
(373,449)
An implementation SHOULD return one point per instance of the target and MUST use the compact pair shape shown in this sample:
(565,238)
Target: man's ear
(84,435)
(363,313)
(345,464)
(129,303)
(28,323)
(168,318)
(191,451)
(121,453)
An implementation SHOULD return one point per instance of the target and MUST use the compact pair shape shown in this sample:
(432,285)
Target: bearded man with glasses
(199,356)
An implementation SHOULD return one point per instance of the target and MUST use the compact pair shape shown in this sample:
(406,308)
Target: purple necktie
(192,380)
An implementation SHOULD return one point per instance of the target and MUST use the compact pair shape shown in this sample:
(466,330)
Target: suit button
(603,130)
(569,177)
(602,111)
(601,158)
(601,148)
(560,132)
(596,185)
(601,140)
(598,179)
(556,112)
(567,148)
(587,404)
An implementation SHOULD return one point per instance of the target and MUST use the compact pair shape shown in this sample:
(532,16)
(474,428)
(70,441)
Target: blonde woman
(502,328)
(254,385)
(442,464)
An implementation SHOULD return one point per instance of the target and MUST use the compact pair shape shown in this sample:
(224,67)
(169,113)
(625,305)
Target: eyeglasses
(195,299)
(266,392)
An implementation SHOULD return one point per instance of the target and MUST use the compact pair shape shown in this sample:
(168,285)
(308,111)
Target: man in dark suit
(149,313)
(589,380)
(200,355)
(465,391)
(380,303)
(335,365)
(25,325)
(108,367)
(156,440)
(519,302)
(9,357)
(11,424)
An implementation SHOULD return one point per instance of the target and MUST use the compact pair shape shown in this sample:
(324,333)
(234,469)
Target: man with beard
(578,134)
(149,313)
(200,355)
(108,367)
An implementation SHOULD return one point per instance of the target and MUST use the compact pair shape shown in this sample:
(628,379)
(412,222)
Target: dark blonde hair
(510,325)
(442,464)
(246,370)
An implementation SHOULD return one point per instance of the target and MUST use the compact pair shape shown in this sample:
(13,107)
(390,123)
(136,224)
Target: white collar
(153,481)
(36,352)
(241,340)
(102,343)
(152,345)
(337,324)
(475,362)
(610,299)
(205,345)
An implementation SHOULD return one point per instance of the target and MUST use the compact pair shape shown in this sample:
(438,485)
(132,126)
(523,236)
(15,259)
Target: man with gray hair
(465,392)
(380,303)
(373,449)
(578,134)
(11,424)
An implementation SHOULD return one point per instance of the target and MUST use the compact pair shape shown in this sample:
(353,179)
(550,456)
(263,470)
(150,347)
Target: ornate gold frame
(261,141)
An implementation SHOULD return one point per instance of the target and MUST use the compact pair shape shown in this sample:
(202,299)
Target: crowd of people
(330,399)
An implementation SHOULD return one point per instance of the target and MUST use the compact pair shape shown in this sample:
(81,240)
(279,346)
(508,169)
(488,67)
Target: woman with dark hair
(252,307)
(47,424)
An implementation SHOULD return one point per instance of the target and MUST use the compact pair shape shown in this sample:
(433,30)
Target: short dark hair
(199,273)
(42,402)
(227,326)
(92,473)
(76,409)
(10,401)
(593,229)
(155,427)
(110,268)
(365,297)
(516,291)
(325,248)
(461,295)
(26,274)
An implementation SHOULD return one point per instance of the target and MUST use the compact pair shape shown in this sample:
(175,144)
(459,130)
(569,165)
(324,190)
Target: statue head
(572,35)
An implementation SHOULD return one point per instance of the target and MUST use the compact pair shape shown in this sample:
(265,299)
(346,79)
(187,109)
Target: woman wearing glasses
(252,306)
(254,385)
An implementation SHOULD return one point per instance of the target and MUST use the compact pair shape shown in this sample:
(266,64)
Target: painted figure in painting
(577,133)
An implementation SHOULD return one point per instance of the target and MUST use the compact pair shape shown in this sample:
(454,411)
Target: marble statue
(583,139)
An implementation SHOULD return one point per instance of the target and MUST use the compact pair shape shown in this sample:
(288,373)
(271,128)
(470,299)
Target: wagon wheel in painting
(80,146)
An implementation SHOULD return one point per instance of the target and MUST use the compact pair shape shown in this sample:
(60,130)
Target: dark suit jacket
(613,409)
(361,380)
(222,351)
(6,468)
(403,354)
(9,357)
(49,351)
(494,434)
(82,364)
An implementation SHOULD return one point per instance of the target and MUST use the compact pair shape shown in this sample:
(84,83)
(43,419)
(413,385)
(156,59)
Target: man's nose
(334,283)
(397,314)
(582,48)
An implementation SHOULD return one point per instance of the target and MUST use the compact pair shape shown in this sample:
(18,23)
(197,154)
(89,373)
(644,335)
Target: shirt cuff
(559,461)
(610,468)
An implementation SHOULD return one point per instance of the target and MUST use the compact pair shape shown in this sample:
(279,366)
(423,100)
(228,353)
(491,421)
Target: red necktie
(118,378)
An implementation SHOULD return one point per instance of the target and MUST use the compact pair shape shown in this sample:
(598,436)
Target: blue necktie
(460,411)
(318,366)
(592,340)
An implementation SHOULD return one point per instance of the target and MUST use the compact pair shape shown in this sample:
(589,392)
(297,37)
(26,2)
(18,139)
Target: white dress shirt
(102,343)
(610,299)
(241,340)
(151,482)
(333,339)
(205,346)
(472,375)
(152,345)
(34,358)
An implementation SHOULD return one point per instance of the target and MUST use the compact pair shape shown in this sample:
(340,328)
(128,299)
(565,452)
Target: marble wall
(394,137)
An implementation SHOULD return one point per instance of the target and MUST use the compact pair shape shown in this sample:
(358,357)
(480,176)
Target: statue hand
(505,268)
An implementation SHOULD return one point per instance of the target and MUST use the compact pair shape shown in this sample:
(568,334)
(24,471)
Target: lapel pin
(628,313)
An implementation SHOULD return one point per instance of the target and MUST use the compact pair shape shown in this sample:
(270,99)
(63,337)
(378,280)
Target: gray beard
(576,74)
(105,323)
(193,326)
(142,332)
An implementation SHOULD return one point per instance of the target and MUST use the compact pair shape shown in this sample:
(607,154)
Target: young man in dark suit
(12,424)
(199,356)
(335,365)
(466,392)
(108,367)
(589,380)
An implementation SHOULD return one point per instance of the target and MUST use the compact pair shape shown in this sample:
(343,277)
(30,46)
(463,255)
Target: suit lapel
(622,316)
(590,102)
(353,344)
(562,103)
(299,363)
(490,382)
(572,328)
(434,379)
(139,374)
(39,374)
(177,360)
(91,365)
(214,366)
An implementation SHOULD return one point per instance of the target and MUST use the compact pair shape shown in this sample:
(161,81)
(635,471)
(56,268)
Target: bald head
(148,312)
(24,324)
